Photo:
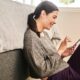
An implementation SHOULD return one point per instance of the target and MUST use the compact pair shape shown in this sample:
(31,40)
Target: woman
(42,57)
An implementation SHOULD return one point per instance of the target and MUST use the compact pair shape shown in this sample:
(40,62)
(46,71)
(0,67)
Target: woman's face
(48,20)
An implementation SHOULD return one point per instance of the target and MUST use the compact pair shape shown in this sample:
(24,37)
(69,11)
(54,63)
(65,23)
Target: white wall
(68,23)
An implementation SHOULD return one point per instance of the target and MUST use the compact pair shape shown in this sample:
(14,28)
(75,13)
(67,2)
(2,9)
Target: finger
(67,39)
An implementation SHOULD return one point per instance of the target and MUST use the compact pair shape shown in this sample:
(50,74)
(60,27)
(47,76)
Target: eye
(54,17)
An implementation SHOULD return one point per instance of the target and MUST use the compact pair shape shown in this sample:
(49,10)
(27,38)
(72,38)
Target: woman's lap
(67,74)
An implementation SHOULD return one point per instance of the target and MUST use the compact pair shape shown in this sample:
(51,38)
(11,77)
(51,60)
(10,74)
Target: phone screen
(77,43)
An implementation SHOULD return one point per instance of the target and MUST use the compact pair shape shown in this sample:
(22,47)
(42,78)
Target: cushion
(13,23)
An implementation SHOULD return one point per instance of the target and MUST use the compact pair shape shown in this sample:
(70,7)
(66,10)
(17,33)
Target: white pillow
(13,23)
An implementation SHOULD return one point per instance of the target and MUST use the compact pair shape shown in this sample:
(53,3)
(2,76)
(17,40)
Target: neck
(39,26)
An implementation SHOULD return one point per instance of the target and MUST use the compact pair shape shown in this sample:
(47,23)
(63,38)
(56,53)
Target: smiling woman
(41,55)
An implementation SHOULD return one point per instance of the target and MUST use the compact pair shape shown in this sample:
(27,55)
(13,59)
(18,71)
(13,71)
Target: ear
(43,13)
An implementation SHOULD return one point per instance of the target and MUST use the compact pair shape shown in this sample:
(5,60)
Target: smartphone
(77,43)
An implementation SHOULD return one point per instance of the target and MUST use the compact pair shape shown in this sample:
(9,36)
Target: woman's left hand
(69,51)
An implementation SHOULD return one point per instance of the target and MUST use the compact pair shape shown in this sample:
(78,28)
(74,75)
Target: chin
(48,28)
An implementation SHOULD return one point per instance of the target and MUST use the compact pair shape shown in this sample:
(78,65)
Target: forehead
(54,13)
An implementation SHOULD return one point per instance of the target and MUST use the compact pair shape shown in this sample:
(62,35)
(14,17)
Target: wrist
(60,52)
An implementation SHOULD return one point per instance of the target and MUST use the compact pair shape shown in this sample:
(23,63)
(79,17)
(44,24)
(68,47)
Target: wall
(68,23)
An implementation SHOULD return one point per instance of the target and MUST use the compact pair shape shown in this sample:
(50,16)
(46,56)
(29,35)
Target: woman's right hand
(63,45)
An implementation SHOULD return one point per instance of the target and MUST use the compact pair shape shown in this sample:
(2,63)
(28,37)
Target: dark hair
(44,5)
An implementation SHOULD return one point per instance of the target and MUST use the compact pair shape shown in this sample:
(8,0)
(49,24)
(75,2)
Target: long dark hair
(45,5)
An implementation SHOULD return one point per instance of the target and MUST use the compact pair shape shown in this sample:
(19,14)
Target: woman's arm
(42,64)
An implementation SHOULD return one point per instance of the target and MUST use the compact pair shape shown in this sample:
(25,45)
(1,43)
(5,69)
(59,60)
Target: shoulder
(30,36)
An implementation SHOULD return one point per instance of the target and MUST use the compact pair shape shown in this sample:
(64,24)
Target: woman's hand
(63,45)
(44,78)
(69,51)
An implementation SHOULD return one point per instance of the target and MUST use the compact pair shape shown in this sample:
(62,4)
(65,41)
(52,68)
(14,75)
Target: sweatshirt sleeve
(42,64)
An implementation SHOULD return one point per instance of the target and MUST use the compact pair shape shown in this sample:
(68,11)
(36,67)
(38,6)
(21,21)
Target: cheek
(47,25)
(46,22)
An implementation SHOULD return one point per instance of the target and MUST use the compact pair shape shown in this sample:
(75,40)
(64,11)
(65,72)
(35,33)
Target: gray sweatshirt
(42,57)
